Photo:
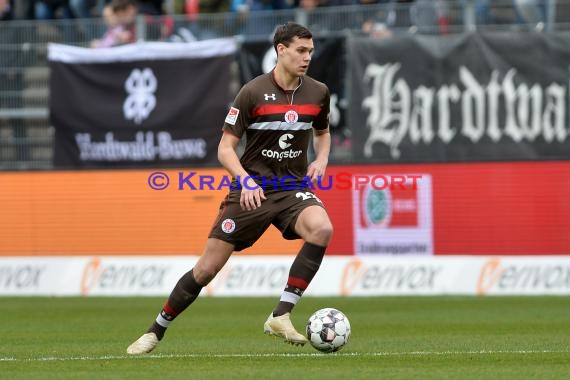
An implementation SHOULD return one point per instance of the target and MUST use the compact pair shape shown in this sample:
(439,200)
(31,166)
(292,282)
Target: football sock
(183,294)
(302,271)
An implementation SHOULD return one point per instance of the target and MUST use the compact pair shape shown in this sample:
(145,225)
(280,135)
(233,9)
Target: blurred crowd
(528,10)
(119,15)
(52,9)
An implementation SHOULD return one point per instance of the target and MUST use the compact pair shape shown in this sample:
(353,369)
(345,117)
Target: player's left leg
(312,225)
(233,230)
(315,228)
(187,289)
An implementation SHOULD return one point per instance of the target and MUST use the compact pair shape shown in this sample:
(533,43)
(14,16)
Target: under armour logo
(284,140)
(141,86)
(270,97)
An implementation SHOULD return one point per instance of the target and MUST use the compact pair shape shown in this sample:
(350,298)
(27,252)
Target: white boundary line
(282,355)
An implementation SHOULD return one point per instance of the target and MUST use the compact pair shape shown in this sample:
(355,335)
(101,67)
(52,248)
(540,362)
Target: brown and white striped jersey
(278,125)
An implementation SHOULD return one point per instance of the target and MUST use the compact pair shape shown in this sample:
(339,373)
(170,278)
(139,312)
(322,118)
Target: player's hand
(251,195)
(316,169)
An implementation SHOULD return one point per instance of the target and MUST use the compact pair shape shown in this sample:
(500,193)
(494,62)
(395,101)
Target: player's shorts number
(307,195)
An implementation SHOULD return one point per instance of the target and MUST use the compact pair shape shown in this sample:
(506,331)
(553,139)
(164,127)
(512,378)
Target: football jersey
(278,125)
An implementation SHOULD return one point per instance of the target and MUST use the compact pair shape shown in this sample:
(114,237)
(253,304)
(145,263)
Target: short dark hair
(284,34)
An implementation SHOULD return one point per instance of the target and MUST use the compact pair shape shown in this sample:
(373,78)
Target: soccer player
(278,112)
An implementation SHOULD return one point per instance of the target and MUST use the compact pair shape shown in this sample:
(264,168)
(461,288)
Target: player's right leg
(215,256)
(310,222)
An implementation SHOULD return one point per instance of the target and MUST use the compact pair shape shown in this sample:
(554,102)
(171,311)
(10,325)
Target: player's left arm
(321,139)
(322,145)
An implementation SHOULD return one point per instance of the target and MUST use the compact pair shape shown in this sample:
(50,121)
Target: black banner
(152,104)
(473,97)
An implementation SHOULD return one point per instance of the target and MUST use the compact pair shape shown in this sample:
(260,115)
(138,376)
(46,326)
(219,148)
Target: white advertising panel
(266,276)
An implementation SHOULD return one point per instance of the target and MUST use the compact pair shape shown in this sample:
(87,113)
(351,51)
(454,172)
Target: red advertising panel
(453,209)
(515,208)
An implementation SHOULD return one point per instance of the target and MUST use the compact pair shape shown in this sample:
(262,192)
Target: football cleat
(281,326)
(143,345)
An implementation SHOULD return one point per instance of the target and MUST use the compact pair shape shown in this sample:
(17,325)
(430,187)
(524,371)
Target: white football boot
(281,326)
(143,345)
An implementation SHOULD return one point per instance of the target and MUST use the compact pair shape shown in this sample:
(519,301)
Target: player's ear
(280,48)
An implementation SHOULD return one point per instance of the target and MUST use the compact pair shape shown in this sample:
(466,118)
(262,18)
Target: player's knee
(203,274)
(322,234)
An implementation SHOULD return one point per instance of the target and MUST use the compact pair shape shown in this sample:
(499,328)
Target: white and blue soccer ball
(328,330)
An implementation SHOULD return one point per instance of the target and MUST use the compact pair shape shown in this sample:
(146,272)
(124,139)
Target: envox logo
(122,277)
(490,273)
(389,277)
(91,275)
(351,275)
(523,276)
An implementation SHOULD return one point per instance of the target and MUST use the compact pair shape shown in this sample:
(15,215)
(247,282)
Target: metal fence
(26,136)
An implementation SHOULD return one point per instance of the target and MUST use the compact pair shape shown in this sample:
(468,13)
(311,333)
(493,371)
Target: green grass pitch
(222,338)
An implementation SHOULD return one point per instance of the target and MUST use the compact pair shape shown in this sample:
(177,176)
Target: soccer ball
(328,330)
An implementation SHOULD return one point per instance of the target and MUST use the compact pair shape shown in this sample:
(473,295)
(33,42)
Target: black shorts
(243,228)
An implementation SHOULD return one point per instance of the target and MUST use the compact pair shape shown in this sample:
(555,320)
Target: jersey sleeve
(322,119)
(237,119)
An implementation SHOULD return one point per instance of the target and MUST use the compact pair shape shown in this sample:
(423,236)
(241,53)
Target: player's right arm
(235,125)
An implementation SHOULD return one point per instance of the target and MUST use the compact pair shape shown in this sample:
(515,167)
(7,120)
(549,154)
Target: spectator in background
(85,10)
(151,7)
(423,16)
(430,16)
(190,29)
(82,8)
(386,16)
(260,5)
(58,9)
(339,3)
(120,17)
(532,12)
(88,8)
(319,21)
(23,9)
(51,9)
(193,7)
(6,10)
(247,19)
(158,25)
(479,12)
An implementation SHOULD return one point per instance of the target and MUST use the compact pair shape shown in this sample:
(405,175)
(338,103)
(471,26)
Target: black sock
(157,329)
(182,296)
(302,271)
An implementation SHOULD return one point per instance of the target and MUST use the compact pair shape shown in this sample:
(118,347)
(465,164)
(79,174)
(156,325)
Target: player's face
(297,56)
